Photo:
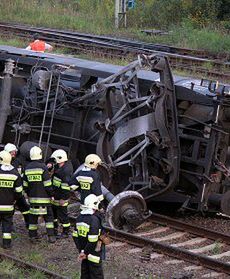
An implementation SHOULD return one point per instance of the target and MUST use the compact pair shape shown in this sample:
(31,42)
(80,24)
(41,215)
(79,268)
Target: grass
(75,275)
(9,270)
(189,36)
(34,256)
(12,42)
(53,267)
(65,16)
(217,249)
(15,235)
(36,275)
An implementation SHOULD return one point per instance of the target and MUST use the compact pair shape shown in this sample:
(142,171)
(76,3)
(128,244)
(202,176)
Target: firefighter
(87,180)
(63,171)
(86,235)
(38,186)
(10,190)
(21,203)
(12,149)
(39,45)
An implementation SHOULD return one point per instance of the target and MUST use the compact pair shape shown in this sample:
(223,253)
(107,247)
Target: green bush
(98,15)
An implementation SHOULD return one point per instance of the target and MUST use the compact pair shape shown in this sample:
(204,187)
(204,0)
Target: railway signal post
(120,14)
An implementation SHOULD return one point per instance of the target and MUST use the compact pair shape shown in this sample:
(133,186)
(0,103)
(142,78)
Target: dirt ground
(62,256)
(122,261)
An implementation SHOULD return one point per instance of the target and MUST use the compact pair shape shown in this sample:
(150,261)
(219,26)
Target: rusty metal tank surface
(164,137)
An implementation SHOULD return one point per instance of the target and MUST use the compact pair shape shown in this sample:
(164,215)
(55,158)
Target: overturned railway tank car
(165,137)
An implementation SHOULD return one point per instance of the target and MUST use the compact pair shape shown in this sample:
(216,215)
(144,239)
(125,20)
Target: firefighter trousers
(7,224)
(33,220)
(61,215)
(90,270)
(24,208)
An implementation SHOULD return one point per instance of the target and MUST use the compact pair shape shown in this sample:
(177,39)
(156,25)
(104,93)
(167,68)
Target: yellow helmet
(9,147)
(92,161)
(5,158)
(60,156)
(35,153)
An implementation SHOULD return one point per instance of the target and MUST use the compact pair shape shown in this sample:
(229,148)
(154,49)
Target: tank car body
(165,137)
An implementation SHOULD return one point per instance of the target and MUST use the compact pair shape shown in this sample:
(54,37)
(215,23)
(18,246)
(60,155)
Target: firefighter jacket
(61,178)
(37,183)
(17,164)
(87,181)
(10,188)
(86,235)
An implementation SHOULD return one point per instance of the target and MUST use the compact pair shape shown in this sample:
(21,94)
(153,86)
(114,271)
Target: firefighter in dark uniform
(10,190)
(38,186)
(21,203)
(63,171)
(87,181)
(86,236)
(12,149)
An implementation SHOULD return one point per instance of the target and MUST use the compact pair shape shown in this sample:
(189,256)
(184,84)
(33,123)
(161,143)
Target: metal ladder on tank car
(45,112)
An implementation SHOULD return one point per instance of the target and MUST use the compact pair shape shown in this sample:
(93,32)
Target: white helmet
(60,156)
(9,147)
(92,161)
(5,158)
(91,202)
(35,153)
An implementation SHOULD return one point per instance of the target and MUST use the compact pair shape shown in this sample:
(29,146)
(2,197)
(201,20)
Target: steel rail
(124,49)
(169,250)
(128,46)
(127,42)
(26,265)
(172,251)
(200,231)
(177,62)
(210,73)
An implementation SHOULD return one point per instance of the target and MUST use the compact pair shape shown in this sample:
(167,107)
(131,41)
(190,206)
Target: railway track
(121,42)
(29,266)
(208,64)
(164,236)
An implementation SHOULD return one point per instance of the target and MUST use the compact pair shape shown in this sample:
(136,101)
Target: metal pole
(120,13)
(5,96)
(117,9)
(124,15)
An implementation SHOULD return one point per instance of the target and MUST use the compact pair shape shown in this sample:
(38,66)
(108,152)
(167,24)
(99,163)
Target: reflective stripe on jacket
(86,236)
(37,183)
(10,189)
(87,181)
(61,178)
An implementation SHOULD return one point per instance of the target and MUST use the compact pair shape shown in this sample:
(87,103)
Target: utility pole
(120,14)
